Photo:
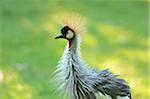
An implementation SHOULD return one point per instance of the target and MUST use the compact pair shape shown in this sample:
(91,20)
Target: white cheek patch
(69,35)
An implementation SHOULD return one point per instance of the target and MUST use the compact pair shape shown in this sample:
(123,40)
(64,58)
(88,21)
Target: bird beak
(60,36)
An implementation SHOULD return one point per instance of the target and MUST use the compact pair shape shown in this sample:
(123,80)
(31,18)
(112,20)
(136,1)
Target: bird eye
(69,35)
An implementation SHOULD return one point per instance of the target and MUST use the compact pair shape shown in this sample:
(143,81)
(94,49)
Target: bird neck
(74,45)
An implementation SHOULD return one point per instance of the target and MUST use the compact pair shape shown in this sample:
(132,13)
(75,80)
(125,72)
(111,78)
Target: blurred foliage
(117,38)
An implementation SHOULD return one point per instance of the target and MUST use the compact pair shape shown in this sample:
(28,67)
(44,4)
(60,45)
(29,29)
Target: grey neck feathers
(75,48)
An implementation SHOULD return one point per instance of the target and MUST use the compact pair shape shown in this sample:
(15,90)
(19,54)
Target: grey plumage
(112,85)
(79,81)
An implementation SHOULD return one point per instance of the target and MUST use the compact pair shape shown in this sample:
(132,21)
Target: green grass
(117,38)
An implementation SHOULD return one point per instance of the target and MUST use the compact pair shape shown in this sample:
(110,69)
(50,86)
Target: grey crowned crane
(75,78)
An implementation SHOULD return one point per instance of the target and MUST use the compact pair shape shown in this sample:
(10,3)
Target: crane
(75,78)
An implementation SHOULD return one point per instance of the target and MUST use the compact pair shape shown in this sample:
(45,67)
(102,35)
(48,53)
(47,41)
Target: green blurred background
(117,38)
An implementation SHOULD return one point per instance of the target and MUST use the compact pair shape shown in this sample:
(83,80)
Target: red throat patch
(70,44)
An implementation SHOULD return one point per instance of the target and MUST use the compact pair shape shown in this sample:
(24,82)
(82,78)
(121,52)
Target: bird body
(77,80)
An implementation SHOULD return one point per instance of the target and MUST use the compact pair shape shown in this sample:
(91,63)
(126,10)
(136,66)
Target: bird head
(73,25)
(66,33)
